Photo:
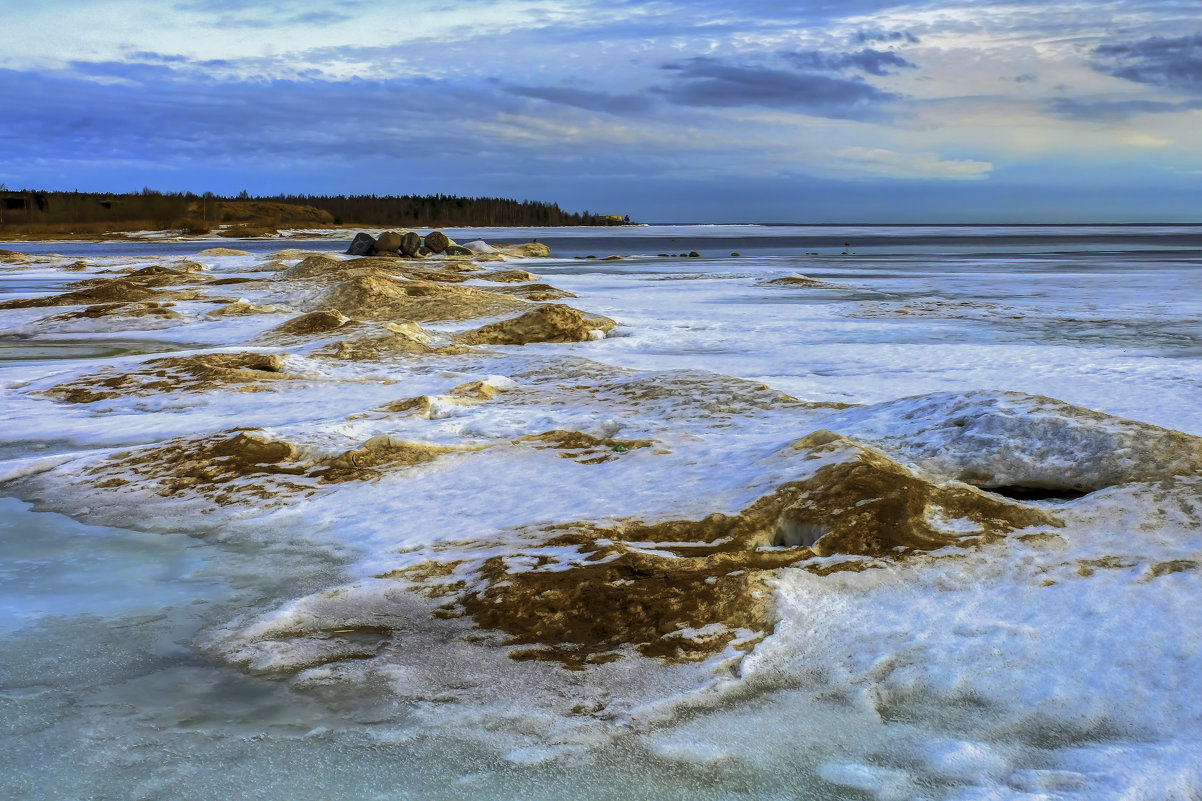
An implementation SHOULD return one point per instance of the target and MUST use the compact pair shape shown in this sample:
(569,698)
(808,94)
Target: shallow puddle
(41,350)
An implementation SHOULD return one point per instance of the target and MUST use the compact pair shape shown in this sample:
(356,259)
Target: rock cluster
(405,244)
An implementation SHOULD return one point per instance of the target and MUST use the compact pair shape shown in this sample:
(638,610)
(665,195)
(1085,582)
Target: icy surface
(285,632)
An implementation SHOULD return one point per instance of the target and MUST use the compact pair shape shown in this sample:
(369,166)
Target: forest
(33,212)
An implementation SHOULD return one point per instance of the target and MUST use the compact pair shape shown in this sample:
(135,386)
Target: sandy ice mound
(551,323)
(313,324)
(1007,439)
(377,297)
(315,266)
(133,315)
(536,292)
(249,466)
(143,286)
(193,373)
(796,280)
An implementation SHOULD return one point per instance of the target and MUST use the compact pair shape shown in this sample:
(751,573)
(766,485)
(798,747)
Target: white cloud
(892,164)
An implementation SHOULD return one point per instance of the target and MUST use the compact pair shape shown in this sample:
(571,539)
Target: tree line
(197,212)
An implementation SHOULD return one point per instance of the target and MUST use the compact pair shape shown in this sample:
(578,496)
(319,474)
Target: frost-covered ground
(797,526)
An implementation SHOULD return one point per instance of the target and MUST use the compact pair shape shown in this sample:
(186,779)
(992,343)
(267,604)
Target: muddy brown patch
(584,448)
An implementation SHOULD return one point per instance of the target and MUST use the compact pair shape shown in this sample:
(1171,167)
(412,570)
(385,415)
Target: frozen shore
(546,509)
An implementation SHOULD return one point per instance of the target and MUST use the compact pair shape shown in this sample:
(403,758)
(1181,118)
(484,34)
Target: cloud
(892,164)
(876,35)
(1102,110)
(874,62)
(705,81)
(583,98)
(158,58)
(1173,63)
(239,14)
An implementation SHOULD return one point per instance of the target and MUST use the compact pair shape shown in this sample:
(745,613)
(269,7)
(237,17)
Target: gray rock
(410,243)
(457,250)
(362,245)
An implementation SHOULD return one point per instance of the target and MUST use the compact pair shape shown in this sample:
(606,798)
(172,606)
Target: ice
(307,632)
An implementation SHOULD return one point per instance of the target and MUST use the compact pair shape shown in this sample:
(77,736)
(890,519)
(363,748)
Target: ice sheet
(1056,661)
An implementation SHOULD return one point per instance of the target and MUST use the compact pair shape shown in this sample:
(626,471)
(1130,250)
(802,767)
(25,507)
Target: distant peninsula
(38,214)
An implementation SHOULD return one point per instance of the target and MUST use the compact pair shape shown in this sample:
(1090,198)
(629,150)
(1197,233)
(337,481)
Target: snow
(1057,662)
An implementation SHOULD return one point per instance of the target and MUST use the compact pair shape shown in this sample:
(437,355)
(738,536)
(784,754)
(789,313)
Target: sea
(157,646)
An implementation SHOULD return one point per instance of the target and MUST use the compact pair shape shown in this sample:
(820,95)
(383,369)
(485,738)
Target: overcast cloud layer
(712,110)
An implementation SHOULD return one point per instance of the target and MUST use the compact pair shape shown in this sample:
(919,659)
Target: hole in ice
(1019,492)
(794,533)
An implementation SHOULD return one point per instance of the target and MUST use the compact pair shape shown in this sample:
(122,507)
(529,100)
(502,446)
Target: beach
(860,512)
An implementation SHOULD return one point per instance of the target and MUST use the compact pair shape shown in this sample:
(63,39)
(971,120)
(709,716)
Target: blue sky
(707,110)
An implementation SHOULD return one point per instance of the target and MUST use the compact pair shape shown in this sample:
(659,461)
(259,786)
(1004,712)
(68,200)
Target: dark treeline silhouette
(33,209)
(436,210)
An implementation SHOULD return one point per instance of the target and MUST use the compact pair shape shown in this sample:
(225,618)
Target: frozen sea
(149,645)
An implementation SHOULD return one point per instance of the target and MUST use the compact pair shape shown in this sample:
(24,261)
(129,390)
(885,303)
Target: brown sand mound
(14,257)
(436,276)
(376,456)
(239,465)
(551,323)
(293,253)
(196,373)
(686,589)
(424,405)
(370,349)
(315,267)
(793,280)
(312,324)
(373,297)
(535,292)
(241,309)
(507,276)
(153,276)
(222,252)
(126,289)
(221,466)
(460,265)
(525,250)
(121,310)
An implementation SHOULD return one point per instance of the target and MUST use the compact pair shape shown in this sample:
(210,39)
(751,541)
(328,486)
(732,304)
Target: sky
(668,110)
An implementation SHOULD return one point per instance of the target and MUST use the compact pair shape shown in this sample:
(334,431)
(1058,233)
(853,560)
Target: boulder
(388,244)
(437,241)
(362,245)
(410,243)
(457,250)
